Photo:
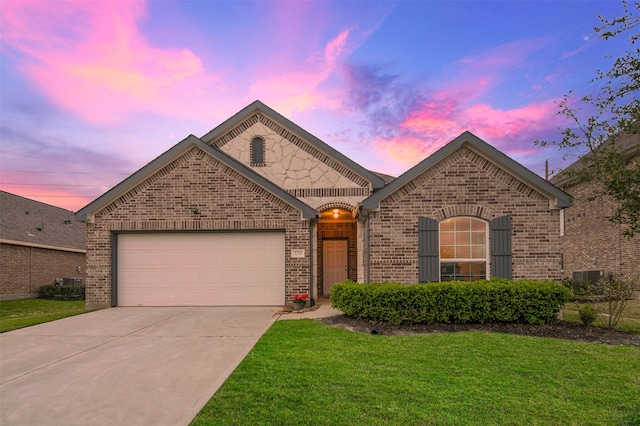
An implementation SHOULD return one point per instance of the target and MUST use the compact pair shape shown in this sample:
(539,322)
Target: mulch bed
(558,330)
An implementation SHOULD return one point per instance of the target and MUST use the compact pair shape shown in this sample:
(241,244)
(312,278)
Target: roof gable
(258,115)
(557,197)
(38,224)
(120,190)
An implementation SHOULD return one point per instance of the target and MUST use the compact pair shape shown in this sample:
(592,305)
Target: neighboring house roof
(173,153)
(32,223)
(386,178)
(560,199)
(257,106)
(627,144)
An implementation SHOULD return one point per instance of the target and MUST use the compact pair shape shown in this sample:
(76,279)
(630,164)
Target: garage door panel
(200,269)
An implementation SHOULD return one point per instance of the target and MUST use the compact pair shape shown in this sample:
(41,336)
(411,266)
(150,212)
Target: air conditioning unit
(74,282)
(591,277)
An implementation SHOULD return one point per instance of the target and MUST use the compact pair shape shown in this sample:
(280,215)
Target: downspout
(367,243)
(312,300)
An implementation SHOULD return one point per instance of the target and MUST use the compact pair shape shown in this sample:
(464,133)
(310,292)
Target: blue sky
(92,91)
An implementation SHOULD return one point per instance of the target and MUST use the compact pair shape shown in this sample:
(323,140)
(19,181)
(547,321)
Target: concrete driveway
(151,366)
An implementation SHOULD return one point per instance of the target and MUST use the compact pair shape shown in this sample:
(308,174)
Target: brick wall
(464,184)
(225,200)
(26,269)
(591,241)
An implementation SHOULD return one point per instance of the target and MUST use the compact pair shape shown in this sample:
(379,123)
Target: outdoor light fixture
(336,213)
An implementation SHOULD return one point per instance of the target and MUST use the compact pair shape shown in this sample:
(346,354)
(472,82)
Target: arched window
(463,249)
(257,152)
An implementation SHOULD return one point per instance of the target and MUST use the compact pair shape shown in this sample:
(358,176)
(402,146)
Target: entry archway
(337,247)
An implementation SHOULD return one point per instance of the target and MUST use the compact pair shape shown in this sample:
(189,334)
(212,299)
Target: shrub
(63,292)
(495,300)
(588,313)
(617,294)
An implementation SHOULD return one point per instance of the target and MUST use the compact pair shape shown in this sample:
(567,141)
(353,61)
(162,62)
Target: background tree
(616,115)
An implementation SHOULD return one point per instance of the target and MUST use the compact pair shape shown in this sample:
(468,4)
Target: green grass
(16,314)
(630,320)
(303,372)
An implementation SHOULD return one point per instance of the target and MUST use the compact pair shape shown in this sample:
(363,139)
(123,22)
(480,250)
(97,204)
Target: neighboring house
(592,245)
(258,210)
(38,243)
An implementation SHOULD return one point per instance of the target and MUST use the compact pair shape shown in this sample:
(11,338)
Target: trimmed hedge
(495,300)
(64,292)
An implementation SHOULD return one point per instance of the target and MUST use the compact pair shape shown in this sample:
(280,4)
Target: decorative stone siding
(195,193)
(464,184)
(293,164)
(25,269)
(592,242)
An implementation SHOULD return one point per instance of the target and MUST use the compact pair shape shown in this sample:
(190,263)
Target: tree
(616,116)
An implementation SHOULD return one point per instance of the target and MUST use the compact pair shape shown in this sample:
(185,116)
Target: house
(258,210)
(38,243)
(592,246)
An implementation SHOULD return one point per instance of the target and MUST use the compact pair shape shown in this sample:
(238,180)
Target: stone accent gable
(462,160)
(290,162)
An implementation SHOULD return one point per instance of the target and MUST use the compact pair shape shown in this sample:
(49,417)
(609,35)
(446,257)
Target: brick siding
(225,201)
(592,242)
(464,184)
(25,269)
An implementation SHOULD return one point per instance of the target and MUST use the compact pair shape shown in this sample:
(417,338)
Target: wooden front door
(334,263)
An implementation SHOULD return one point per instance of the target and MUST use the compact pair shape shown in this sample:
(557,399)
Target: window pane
(463,238)
(463,252)
(463,224)
(446,225)
(446,238)
(478,238)
(463,271)
(446,252)
(478,252)
(478,225)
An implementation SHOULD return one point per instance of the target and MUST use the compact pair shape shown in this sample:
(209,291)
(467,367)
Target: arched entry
(337,247)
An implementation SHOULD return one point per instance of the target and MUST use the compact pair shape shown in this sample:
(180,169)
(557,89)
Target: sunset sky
(91,91)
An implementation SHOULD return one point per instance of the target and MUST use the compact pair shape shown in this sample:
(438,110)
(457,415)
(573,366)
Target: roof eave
(482,148)
(86,213)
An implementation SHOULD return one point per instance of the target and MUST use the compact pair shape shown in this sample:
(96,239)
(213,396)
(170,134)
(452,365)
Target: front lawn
(304,372)
(21,313)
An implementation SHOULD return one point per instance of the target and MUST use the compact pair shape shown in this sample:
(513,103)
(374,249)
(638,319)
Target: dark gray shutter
(501,247)
(257,151)
(428,248)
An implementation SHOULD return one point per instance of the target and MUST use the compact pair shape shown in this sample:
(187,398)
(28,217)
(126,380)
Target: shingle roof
(35,223)
(561,199)
(628,144)
(173,153)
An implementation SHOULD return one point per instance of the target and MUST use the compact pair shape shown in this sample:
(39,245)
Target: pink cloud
(91,59)
(299,89)
(436,123)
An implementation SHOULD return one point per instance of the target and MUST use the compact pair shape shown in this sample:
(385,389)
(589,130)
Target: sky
(91,91)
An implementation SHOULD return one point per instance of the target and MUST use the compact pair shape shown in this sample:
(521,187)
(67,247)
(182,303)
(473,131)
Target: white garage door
(201,269)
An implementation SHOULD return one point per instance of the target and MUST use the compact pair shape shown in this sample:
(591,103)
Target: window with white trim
(463,249)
